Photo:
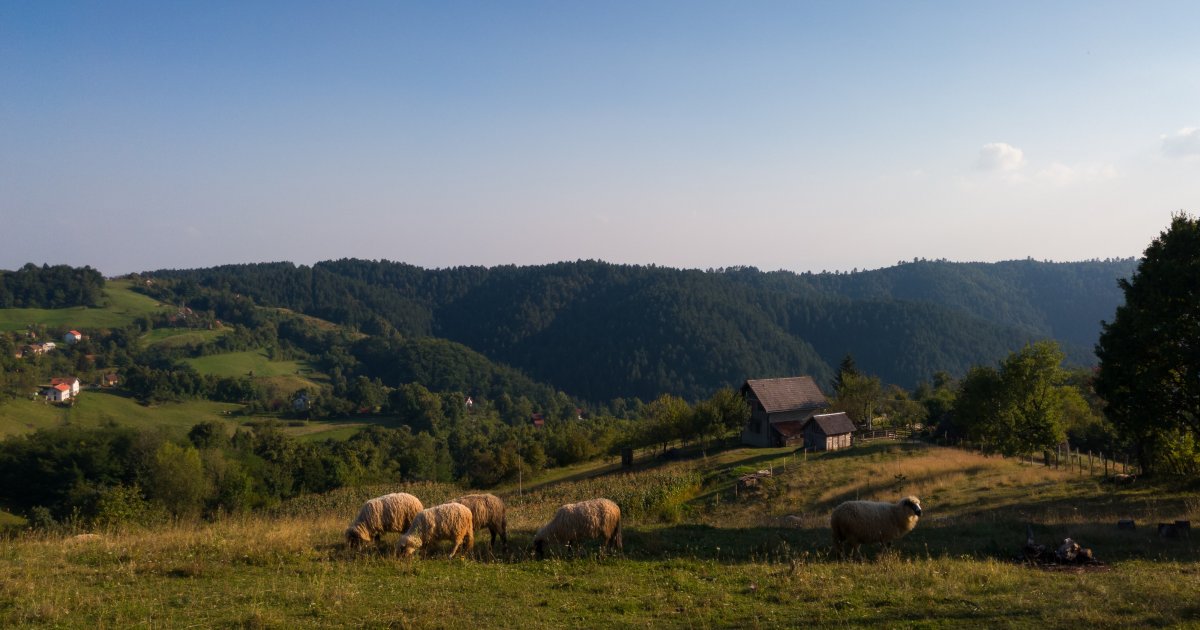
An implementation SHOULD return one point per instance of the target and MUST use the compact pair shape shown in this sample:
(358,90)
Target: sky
(805,136)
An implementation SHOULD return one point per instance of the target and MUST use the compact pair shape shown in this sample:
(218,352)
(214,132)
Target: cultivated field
(695,555)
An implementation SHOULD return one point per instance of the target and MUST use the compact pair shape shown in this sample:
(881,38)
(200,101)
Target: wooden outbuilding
(779,407)
(828,432)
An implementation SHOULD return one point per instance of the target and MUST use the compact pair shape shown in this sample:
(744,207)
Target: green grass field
(254,362)
(123,306)
(718,560)
(181,337)
(97,407)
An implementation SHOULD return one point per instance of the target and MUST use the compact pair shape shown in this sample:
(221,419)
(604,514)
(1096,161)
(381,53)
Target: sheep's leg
(457,542)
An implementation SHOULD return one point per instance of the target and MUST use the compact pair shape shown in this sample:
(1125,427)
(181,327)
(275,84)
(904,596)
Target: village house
(59,393)
(71,382)
(779,407)
(109,380)
(828,432)
(73,336)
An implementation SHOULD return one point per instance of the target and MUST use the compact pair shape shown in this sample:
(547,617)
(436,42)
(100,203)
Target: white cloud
(1183,143)
(1000,156)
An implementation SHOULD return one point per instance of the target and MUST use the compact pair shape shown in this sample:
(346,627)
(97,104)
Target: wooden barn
(779,407)
(828,432)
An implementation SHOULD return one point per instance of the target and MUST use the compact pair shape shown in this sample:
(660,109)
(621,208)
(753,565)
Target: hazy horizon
(137,136)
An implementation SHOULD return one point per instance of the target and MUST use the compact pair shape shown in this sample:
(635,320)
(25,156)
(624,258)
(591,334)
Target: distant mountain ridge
(599,331)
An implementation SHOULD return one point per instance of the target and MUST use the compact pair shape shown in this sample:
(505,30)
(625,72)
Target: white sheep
(857,522)
(595,518)
(448,521)
(388,513)
(487,510)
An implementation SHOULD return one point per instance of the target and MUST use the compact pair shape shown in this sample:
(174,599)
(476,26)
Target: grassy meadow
(695,555)
(122,306)
(96,407)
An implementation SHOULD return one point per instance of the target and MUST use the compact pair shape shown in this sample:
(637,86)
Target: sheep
(388,513)
(448,521)
(595,518)
(487,510)
(857,522)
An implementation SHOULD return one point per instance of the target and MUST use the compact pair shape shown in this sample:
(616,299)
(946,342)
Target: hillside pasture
(182,337)
(94,407)
(248,363)
(122,306)
(696,555)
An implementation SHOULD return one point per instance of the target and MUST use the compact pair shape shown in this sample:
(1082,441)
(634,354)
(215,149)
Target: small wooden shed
(828,432)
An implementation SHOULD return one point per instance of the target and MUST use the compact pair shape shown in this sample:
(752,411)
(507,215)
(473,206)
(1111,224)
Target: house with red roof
(59,393)
(73,336)
(71,382)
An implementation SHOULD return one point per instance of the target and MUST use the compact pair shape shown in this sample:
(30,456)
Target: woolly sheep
(857,522)
(448,521)
(487,510)
(388,513)
(595,518)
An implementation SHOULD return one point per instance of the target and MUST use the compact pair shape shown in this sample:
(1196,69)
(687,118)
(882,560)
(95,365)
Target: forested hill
(601,331)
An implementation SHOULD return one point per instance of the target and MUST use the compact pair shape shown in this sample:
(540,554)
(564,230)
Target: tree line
(57,286)
(602,331)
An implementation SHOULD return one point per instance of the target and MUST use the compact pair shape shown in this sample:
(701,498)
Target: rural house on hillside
(828,432)
(779,407)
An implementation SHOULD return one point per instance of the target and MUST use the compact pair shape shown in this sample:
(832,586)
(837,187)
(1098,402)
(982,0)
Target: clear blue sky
(785,135)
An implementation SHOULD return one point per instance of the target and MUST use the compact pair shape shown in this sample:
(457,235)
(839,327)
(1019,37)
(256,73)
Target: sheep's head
(912,503)
(408,545)
(539,548)
(356,538)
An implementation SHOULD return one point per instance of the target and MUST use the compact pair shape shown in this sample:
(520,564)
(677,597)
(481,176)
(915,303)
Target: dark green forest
(601,331)
(48,286)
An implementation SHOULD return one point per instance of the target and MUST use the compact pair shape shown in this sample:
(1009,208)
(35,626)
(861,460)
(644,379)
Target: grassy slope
(726,562)
(243,363)
(123,306)
(181,337)
(96,407)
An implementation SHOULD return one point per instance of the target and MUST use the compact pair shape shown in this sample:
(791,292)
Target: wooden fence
(1072,459)
(882,434)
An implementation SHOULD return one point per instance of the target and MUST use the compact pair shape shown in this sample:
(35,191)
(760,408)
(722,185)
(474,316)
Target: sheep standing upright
(586,520)
(857,522)
(487,510)
(448,521)
(388,513)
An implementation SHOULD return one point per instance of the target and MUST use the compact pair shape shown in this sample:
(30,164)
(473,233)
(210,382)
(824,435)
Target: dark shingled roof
(787,394)
(791,428)
(833,423)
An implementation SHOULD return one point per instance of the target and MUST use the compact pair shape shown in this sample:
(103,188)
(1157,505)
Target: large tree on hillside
(1019,407)
(1150,353)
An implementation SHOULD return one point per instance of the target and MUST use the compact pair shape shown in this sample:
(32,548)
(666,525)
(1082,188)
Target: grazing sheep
(595,518)
(388,513)
(858,522)
(487,510)
(448,521)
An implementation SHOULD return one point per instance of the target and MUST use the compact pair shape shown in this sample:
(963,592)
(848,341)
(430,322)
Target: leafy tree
(860,396)
(1020,407)
(1150,353)
(176,478)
